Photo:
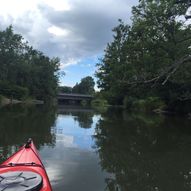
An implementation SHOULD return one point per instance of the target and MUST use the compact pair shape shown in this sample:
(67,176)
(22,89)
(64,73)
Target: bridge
(73,98)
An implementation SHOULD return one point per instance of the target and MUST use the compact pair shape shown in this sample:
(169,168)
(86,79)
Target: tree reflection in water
(18,123)
(84,116)
(84,119)
(144,152)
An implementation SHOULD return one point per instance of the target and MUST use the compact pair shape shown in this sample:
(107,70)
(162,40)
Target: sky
(76,31)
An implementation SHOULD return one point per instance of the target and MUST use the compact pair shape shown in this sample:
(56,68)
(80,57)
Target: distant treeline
(25,71)
(85,86)
(149,62)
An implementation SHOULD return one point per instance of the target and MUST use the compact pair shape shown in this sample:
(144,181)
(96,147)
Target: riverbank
(7,101)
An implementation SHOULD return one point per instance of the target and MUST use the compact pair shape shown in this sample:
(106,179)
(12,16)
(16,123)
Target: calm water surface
(113,150)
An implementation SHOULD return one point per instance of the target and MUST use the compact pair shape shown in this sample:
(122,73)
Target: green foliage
(1,98)
(128,102)
(23,67)
(65,89)
(99,103)
(86,86)
(13,91)
(111,66)
(151,58)
(148,104)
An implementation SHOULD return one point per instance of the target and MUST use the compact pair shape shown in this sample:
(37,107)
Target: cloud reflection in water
(74,163)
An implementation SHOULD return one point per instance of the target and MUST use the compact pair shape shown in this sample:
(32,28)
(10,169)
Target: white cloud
(16,8)
(69,29)
(69,62)
(58,5)
(67,140)
(58,31)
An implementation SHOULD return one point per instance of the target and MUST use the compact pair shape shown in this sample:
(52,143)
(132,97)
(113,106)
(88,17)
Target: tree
(153,58)
(24,68)
(11,51)
(65,89)
(112,67)
(86,86)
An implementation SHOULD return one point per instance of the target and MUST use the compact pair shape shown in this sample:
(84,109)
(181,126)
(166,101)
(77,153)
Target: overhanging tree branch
(168,73)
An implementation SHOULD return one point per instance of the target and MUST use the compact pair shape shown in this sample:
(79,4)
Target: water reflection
(18,123)
(74,164)
(144,152)
(83,115)
(112,150)
(75,127)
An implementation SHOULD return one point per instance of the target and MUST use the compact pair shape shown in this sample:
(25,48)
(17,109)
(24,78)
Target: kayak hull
(27,159)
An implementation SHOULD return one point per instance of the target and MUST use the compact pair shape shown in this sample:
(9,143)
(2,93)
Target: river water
(109,150)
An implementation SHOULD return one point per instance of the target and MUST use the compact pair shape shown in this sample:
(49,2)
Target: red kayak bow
(24,171)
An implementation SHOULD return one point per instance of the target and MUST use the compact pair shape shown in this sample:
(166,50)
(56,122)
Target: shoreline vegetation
(27,75)
(7,101)
(146,65)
